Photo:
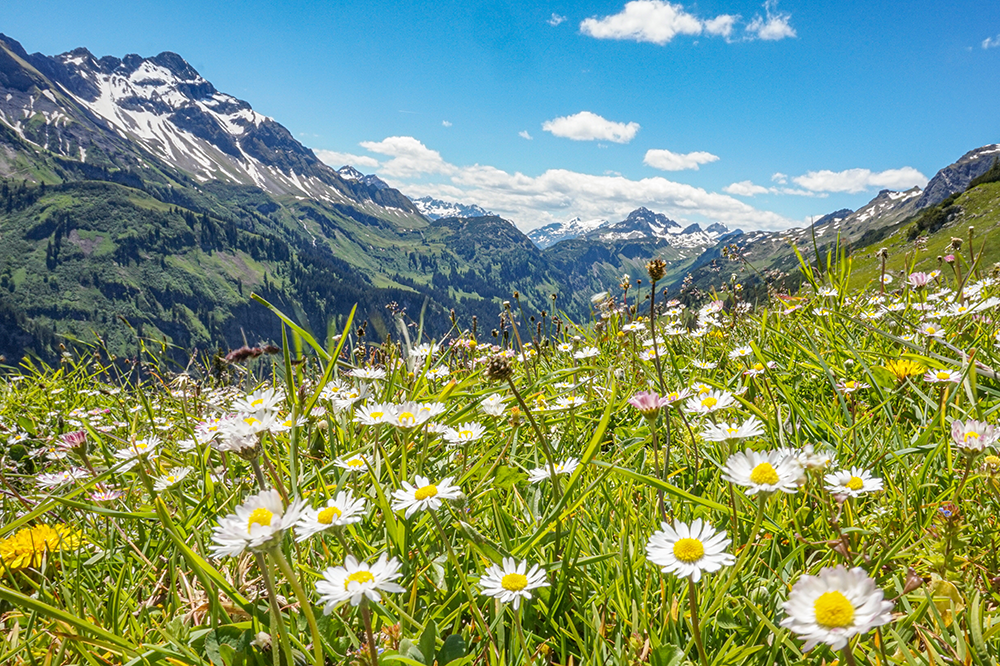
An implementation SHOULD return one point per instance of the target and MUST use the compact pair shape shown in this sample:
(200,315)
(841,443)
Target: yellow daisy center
(764,474)
(356,462)
(514,582)
(943,375)
(260,516)
(426,492)
(709,402)
(464,434)
(257,403)
(407,417)
(688,550)
(377,415)
(358,577)
(251,421)
(171,478)
(970,435)
(758,366)
(833,610)
(849,384)
(732,431)
(992,461)
(855,483)
(327,515)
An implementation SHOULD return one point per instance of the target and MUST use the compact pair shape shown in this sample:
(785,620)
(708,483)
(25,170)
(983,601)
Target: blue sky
(755,115)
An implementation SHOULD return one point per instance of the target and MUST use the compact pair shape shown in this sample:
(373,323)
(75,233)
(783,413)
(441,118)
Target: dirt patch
(86,245)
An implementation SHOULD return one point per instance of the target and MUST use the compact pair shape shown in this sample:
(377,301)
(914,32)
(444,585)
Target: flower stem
(366,617)
(849,655)
(652,330)
(300,594)
(272,597)
(695,624)
(520,636)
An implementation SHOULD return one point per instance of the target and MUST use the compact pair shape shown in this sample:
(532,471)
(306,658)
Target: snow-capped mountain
(435,209)
(552,233)
(641,224)
(348,172)
(134,112)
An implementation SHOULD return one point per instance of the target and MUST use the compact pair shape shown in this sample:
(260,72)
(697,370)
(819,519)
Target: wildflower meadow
(806,479)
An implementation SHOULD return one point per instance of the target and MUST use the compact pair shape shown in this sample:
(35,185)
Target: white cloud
(658,22)
(780,178)
(773,27)
(745,188)
(524,135)
(991,42)
(446,123)
(556,19)
(409,157)
(721,25)
(859,180)
(668,161)
(337,160)
(644,21)
(532,201)
(587,126)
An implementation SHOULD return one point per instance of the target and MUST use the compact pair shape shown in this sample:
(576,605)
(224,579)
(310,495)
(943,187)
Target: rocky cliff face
(956,177)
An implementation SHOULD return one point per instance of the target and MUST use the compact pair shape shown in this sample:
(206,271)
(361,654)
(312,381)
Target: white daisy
(410,415)
(835,606)
(708,402)
(354,463)
(424,495)
(261,400)
(542,473)
(973,436)
(258,522)
(764,472)
(493,405)
(344,509)
(371,374)
(570,401)
(943,377)
(172,478)
(587,352)
(752,427)
(512,581)
(466,432)
(356,581)
(374,414)
(687,550)
(739,352)
(853,483)
(140,448)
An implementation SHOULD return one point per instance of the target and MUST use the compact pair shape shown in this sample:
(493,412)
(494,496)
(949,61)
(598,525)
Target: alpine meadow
(500,395)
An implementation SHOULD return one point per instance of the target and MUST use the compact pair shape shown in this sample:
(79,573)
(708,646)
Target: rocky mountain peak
(956,176)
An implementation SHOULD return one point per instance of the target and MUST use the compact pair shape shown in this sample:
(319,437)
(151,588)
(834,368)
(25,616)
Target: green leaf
(453,648)
(428,640)
(666,655)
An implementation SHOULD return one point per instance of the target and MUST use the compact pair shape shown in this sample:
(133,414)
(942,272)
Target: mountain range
(137,201)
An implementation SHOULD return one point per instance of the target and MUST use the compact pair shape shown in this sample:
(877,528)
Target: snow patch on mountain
(550,234)
(435,209)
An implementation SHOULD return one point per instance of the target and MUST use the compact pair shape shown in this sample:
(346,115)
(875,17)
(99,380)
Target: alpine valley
(139,202)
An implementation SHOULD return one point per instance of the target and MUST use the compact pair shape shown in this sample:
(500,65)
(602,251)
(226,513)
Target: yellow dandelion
(903,368)
(28,546)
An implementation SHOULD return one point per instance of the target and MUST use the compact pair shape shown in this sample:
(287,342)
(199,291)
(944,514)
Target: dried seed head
(656,268)
(498,369)
(883,253)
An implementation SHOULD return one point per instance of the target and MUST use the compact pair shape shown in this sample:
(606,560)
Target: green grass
(144,586)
